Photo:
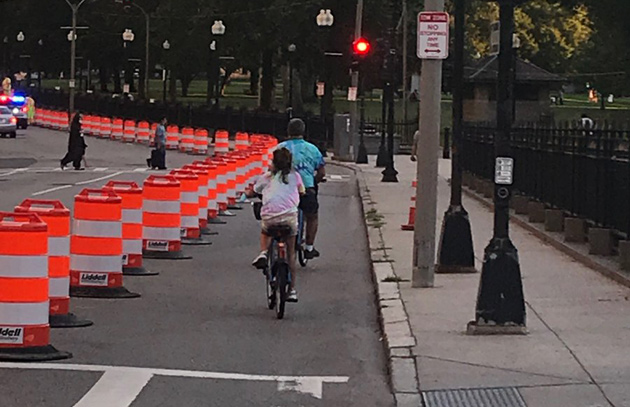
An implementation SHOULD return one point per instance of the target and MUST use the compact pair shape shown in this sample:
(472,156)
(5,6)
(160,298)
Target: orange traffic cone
(412,210)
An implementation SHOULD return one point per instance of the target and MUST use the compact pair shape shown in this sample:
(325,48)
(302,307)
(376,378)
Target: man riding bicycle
(309,163)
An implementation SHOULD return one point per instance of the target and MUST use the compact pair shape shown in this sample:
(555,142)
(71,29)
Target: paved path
(577,351)
(201,335)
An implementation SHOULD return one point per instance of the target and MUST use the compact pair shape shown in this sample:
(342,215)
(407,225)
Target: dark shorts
(309,203)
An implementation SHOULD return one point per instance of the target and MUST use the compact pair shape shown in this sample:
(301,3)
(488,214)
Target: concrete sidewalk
(575,355)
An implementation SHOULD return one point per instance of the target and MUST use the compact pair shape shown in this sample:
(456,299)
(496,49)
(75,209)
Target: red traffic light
(361,47)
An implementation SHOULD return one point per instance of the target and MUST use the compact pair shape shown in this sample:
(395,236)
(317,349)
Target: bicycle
(300,240)
(277,272)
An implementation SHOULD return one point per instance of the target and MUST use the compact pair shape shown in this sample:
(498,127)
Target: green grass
(236,97)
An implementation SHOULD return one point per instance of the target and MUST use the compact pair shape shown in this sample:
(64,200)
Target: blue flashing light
(18,99)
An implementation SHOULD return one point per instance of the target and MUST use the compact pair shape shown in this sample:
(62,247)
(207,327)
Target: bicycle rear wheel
(282,288)
(299,242)
(270,278)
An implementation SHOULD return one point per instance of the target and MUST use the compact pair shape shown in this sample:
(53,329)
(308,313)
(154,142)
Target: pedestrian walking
(158,155)
(414,146)
(76,145)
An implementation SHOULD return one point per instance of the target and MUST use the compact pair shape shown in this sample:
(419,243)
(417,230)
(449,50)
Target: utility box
(343,135)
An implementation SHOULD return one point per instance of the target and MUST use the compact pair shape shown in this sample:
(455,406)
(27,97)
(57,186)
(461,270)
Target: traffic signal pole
(358,28)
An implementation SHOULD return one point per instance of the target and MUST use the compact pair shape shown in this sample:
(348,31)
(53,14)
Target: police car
(17,105)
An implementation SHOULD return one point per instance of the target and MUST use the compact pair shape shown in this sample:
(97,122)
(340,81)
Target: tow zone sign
(433,35)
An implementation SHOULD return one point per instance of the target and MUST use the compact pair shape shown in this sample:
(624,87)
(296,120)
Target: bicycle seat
(279,231)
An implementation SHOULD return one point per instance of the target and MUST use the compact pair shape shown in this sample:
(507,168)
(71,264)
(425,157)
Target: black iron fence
(319,132)
(585,172)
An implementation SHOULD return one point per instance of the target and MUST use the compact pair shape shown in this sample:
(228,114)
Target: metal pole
(390,174)
(404,63)
(146,54)
(209,75)
(427,169)
(362,157)
(383,156)
(290,80)
(73,52)
(500,301)
(456,252)
(358,28)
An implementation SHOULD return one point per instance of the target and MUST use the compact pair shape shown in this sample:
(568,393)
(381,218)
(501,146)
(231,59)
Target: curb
(396,331)
(585,259)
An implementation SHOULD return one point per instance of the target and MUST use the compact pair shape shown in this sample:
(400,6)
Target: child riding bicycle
(280,188)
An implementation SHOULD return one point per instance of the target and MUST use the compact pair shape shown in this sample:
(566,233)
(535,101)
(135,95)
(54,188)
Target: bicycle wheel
(299,242)
(282,287)
(270,278)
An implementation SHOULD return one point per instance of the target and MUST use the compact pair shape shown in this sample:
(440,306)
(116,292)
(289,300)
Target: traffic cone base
(33,354)
(138,271)
(68,320)
(102,292)
(412,219)
(226,213)
(178,255)
(199,241)
(208,232)
(217,221)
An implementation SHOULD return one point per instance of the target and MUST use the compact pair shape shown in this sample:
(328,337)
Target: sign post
(433,27)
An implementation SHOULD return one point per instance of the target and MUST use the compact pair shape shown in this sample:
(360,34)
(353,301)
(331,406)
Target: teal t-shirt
(306,159)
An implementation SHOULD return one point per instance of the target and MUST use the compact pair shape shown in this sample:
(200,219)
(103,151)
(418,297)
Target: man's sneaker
(149,163)
(292,296)
(260,262)
(311,254)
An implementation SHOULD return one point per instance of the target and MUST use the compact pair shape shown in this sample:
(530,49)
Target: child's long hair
(282,163)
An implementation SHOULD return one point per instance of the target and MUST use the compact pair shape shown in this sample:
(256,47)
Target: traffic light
(361,47)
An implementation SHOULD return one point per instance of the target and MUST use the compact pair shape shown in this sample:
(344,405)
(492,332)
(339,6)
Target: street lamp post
(218,30)
(39,63)
(325,20)
(291,50)
(390,174)
(20,39)
(456,253)
(128,36)
(500,301)
(73,51)
(166,46)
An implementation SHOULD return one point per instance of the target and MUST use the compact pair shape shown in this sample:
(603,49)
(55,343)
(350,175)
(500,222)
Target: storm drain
(496,397)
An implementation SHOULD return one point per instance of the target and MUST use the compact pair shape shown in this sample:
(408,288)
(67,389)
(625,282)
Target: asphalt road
(201,334)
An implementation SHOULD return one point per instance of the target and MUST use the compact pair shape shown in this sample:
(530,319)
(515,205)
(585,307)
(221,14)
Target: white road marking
(100,179)
(311,385)
(15,171)
(140,170)
(116,389)
(51,190)
(100,169)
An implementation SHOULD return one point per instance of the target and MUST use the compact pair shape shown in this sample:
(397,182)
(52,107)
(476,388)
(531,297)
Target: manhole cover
(497,397)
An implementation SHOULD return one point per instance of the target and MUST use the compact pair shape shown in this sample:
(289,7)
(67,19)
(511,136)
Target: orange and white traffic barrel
(96,246)
(221,142)
(143,133)
(233,165)
(189,198)
(154,127)
(172,137)
(213,193)
(242,141)
(131,195)
(106,127)
(202,170)
(161,218)
(187,142)
(129,132)
(200,146)
(117,129)
(57,218)
(222,186)
(24,328)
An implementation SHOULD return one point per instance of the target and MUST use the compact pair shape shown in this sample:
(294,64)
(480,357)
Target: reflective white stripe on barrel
(203,190)
(96,264)
(24,313)
(132,216)
(152,233)
(59,246)
(90,228)
(161,206)
(190,197)
(24,266)
(59,287)
(203,212)
(132,246)
(190,222)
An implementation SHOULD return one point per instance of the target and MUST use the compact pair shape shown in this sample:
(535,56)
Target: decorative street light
(291,48)
(20,37)
(71,37)
(214,68)
(128,36)
(166,46)
(325,20)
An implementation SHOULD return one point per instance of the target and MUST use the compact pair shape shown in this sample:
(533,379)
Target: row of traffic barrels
(49,253)
(185,139)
